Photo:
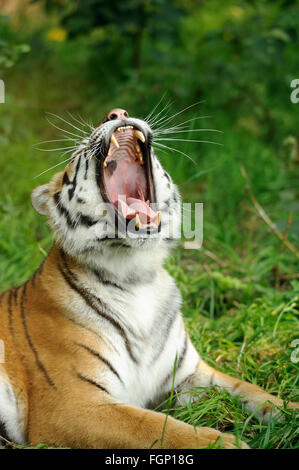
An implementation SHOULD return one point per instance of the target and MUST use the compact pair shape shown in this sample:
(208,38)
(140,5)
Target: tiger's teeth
(139,153)
(147,202)
(139,135)
(158,219)
(137,223)
(114,141)
(108,155)
(124,128)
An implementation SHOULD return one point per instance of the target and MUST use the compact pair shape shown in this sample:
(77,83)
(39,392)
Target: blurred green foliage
(240,56)
(10,51)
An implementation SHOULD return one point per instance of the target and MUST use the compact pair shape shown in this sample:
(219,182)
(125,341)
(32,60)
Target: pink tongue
(131,206)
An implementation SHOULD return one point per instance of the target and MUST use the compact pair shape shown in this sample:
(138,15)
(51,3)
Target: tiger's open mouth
(127,177)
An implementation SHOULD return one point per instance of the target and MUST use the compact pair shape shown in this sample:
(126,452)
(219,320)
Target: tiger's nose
(117,113)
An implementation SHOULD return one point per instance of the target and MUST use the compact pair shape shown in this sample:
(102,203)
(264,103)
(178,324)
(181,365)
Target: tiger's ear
(39,199)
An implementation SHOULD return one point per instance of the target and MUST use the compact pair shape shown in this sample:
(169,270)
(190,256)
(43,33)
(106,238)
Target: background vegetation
(237,58)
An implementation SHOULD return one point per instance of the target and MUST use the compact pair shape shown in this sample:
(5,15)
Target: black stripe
(103,238)
(65,179)
(102,304)
(178,364)
(110,283)
(37,272)
(63,211)
(79,325)
(164,335)
(175,198)
(86,166)
(2,296)
(167,175)
(86,220)
(81,219)
(15,294)
(31,345)
(162,327)
(106,282)
(92,382)
(80,200)
(90,300)
(33,279)
(74,182)
(120,245)
(183,352)
(98,356)
(41,268)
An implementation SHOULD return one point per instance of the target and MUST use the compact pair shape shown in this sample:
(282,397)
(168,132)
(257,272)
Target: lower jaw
(129,225)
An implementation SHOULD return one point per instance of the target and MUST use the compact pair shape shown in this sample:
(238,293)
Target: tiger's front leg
(255,399)
(102,424)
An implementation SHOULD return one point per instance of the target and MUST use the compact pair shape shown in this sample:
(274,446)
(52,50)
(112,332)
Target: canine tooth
(114,141)
(138,148)
(108,155)
(139,135)
(158,219)
(137,223)
(147,202)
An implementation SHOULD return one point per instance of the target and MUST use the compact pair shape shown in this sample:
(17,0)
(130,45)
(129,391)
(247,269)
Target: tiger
(96,338)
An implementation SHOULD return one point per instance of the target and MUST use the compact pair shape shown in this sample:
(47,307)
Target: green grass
(241,318)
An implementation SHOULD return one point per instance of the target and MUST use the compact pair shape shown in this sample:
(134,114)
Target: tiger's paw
(220,440)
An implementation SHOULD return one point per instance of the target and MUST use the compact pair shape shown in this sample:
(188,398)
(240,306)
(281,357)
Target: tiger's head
(113,193)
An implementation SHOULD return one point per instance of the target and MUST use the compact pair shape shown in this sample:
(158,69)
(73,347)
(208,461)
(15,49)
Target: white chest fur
(149,315)
(9,410)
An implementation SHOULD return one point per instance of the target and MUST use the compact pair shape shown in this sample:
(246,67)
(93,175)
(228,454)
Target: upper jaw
(139,136)
(137,124)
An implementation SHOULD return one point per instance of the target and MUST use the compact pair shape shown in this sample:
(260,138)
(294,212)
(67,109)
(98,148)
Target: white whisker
(188,140)
(175,150)
(182,125)
(54,140)
(52,167)
(81,121)
(64,130)
(186,130)
(180,112)
(67,122)
(68,149)
(155,120)
(153,110)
